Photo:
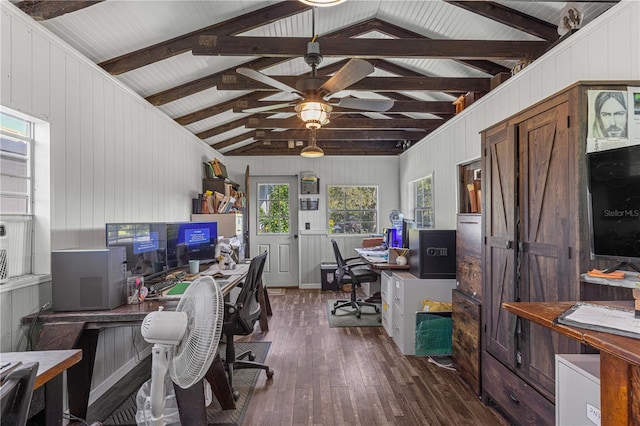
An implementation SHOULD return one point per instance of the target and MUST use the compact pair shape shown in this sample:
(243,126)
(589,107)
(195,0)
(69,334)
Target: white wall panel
(99,151)
(21,69)
(5,66)
(41,72)
(58,137)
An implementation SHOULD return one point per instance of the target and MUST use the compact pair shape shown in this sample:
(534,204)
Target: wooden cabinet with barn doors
(535,244)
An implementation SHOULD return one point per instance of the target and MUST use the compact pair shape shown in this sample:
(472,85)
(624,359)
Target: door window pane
(274,211)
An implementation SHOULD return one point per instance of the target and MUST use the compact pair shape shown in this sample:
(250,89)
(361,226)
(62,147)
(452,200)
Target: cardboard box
(372,242)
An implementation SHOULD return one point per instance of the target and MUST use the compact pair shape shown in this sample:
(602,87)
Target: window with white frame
(353,209)
(16,142)
(19,238)
(422,194)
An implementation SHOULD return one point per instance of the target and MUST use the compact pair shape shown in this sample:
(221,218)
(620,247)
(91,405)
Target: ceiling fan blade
(267,108)
(265,79)
(372,105)
(352,72)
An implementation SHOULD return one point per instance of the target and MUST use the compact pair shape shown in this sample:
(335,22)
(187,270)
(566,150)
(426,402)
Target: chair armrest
(353,265)
(349,259)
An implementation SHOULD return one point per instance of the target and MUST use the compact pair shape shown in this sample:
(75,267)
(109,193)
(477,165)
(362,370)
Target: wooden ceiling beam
(364,48)
(368,148)
(183,43)
(207,82)
(47,9)
(372,84)
(226,127)
(220,108)
(345,123)
(232,141)
(343,135)
(489,67)
(212,80)
(510,17)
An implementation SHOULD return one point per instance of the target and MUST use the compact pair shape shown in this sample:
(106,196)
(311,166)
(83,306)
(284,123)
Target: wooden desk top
(374,263)
(546,314)
(119,316)
(51,363)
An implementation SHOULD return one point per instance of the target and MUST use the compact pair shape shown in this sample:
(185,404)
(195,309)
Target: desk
(51,365)
(80,330)
(379,261)
(619,358)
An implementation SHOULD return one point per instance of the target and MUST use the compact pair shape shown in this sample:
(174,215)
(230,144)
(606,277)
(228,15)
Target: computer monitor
(189,241)
(407,224)
(145,245)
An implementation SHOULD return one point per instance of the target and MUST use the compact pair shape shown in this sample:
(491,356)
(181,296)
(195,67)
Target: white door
(274,227)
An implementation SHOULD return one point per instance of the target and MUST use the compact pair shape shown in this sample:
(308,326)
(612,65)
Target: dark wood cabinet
(466,349)
(466,301)
(535,245)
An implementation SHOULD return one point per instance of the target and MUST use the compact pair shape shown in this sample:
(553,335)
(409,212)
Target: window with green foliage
(423,192)
(353,209)
(273,208)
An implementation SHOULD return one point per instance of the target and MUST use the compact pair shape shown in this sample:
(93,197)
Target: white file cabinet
(387,285)
(408,293)
(577,389)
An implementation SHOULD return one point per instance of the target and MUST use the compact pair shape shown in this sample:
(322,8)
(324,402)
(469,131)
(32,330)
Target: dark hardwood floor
(350,376)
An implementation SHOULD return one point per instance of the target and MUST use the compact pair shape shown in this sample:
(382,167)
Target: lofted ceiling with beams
(182,57)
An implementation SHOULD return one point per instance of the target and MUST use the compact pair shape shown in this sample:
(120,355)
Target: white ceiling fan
(313,107)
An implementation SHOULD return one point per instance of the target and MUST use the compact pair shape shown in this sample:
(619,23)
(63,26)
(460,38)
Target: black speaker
(432,253)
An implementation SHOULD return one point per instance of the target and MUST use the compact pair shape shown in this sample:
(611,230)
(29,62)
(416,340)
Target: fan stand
(159,368)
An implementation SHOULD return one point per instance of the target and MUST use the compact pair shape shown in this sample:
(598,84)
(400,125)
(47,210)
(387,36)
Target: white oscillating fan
(185,341)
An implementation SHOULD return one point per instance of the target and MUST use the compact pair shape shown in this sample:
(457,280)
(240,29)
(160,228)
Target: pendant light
(322,3)
(312,150)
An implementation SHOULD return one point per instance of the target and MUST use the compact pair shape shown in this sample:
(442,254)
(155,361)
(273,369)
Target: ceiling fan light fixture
(322,3)
(314,114)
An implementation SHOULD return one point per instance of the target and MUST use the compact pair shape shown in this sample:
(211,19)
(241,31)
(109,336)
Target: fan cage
(204,304)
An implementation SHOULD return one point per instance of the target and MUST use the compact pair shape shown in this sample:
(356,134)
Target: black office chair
(239,320)
(352,273)
(15,394)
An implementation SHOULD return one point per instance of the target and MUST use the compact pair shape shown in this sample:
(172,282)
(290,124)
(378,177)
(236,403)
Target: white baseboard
(103,387)
(310,286)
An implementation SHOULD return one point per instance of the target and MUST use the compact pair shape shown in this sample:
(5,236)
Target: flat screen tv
(189,241)
(145,245)
(614,201)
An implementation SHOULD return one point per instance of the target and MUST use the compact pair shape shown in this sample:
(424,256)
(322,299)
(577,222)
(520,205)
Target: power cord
(30,344)
(441,365)
(69,416)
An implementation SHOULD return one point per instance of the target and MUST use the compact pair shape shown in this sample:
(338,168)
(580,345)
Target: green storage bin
(433,333)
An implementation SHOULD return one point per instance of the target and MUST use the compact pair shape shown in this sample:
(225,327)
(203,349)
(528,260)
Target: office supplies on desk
(602,318)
